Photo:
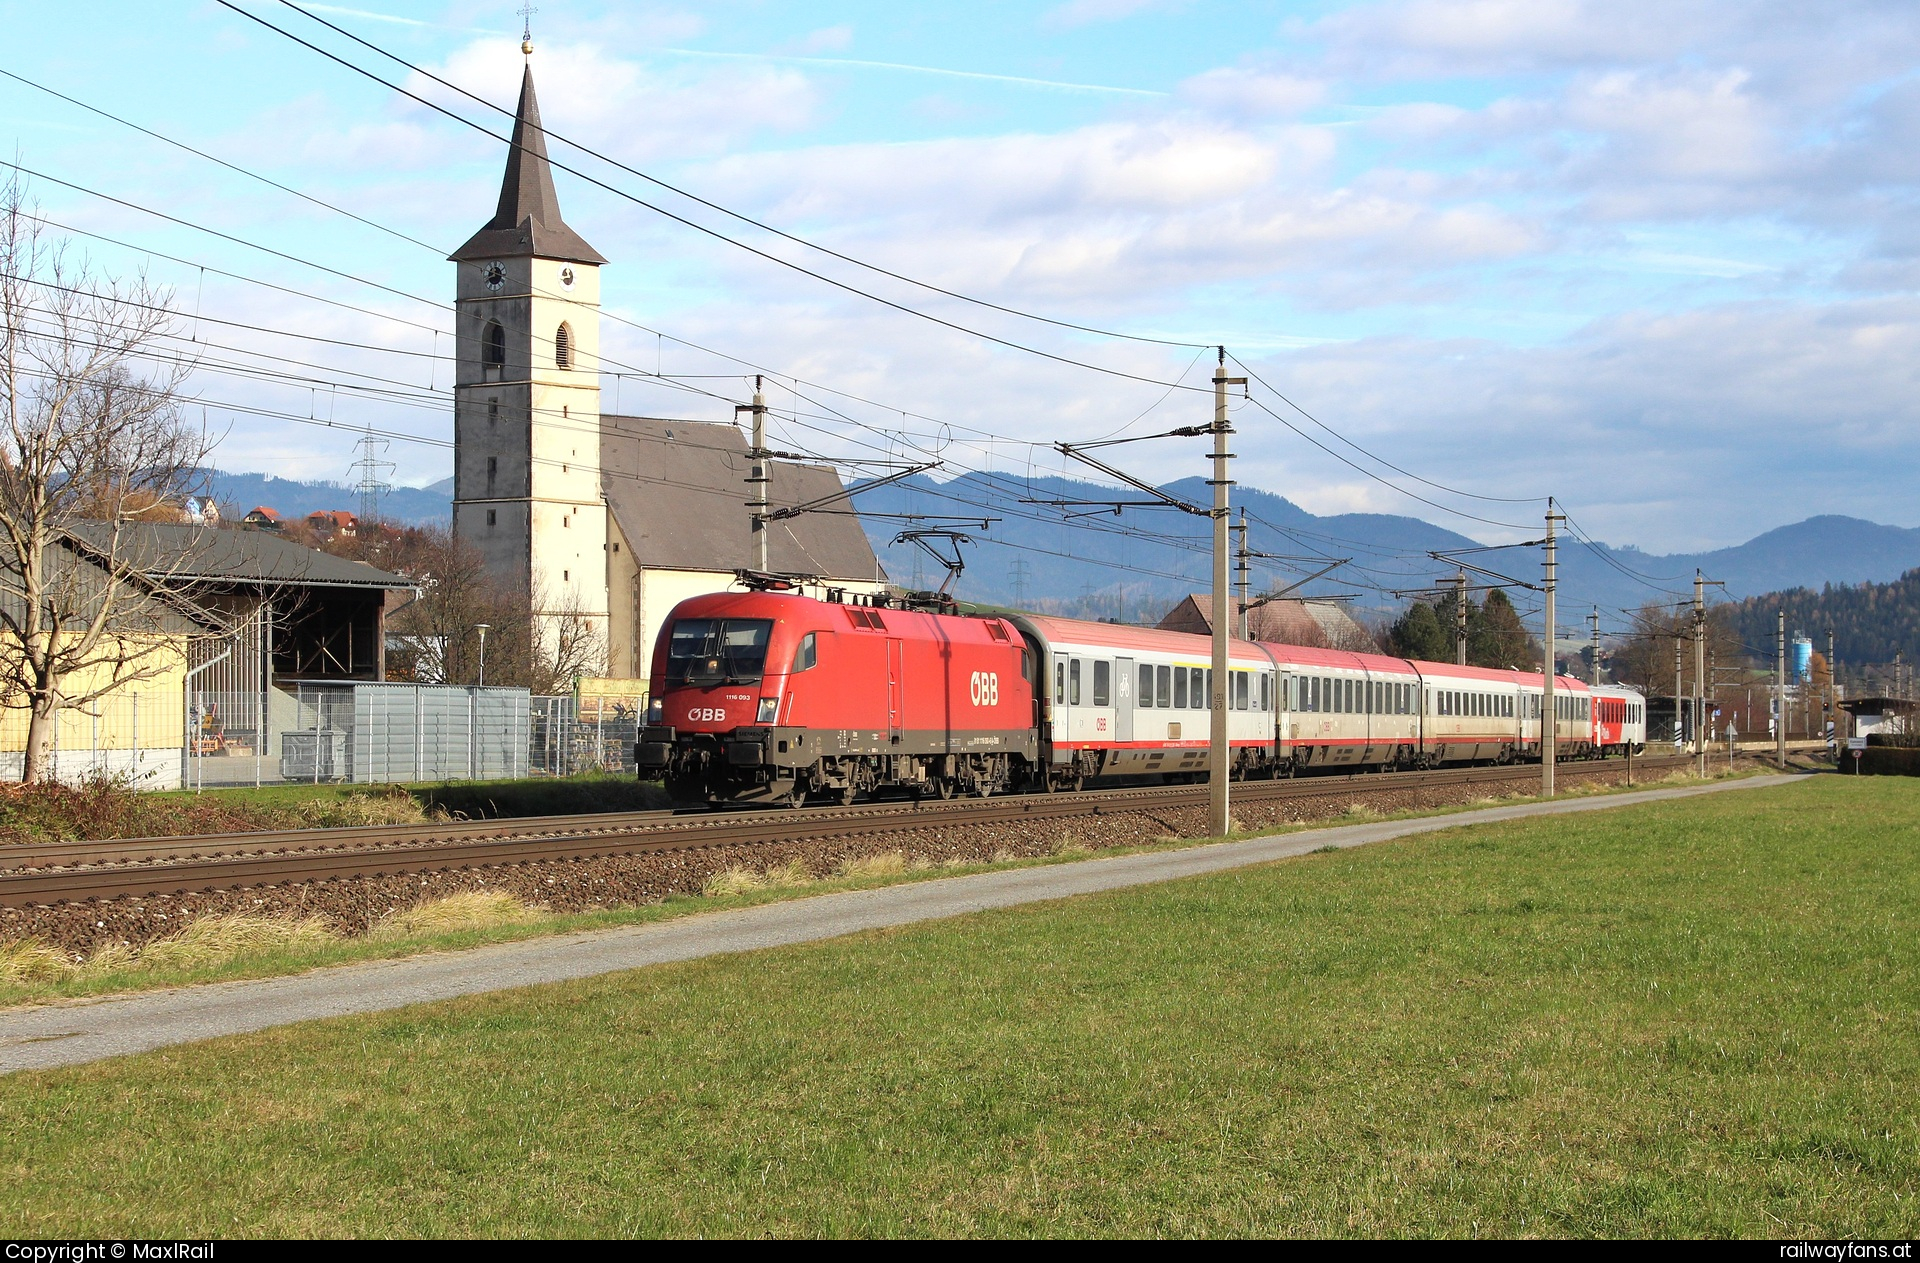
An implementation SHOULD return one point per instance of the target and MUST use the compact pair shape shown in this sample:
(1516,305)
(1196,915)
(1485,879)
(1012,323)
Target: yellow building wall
(146,714)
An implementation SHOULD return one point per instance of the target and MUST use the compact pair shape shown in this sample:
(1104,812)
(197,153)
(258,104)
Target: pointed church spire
(527,220)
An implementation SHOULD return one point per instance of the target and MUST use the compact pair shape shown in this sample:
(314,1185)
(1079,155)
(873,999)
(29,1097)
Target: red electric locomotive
(772,697)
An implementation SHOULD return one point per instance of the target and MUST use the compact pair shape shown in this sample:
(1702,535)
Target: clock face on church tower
(566,278)
(496,277)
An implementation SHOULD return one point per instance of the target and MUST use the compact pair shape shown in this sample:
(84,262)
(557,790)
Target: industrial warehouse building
(254,617)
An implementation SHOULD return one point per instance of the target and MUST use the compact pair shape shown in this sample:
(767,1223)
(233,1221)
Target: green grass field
(1695,1018)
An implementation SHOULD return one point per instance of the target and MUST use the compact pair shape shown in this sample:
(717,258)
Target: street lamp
(483,628)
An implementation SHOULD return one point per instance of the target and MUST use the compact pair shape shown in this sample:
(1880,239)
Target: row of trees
(1495,636)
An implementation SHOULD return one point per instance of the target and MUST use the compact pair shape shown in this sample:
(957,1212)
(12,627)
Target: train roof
(1126,636)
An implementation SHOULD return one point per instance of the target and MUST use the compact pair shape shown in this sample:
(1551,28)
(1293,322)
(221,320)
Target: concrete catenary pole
(1679,683)
(1460,618)
(759,477)
(1242,576)
(1593,623)
(1219,815)
(1549,711)
(1833,684)
(1780,692)
(1699,674)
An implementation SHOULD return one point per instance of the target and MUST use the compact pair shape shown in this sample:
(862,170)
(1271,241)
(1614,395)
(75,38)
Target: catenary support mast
(1549,709)
(1219,816)
(1780,692)
(759,475)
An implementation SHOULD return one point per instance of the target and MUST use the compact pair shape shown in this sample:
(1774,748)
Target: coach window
(1144,695)
(1059,682)
(1239,690)
(806,655)
(1100,682)
(1179,688)
(1163,687)
(1073,682)
(1266,691)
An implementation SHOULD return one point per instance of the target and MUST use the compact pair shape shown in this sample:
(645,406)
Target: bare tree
(566,645)
(92,447)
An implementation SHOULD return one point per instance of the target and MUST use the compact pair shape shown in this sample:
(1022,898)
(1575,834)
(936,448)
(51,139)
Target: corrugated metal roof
(678,491)
(204,554)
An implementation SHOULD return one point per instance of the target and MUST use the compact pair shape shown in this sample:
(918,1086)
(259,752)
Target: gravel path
(81,1031)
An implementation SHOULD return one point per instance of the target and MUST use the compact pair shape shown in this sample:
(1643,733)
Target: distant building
(1318,624)
(603,519)
(261,518)
(326,523)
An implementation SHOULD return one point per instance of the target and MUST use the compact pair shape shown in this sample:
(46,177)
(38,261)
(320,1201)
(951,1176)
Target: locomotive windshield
(718,650)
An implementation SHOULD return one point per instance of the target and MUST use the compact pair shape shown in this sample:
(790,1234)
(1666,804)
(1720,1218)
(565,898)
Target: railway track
(77,871)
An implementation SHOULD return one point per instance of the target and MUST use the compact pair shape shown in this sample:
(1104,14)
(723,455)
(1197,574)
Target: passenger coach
(774,697)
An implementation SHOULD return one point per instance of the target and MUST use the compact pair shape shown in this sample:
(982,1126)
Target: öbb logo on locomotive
(787,698)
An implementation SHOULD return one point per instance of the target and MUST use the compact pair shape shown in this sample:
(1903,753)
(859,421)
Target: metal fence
(130,736)
(571,735)
(236,726)
(367,733)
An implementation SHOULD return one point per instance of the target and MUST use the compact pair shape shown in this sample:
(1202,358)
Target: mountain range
(1135,564)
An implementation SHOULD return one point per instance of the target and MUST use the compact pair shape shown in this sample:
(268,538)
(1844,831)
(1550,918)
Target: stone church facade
(610,520)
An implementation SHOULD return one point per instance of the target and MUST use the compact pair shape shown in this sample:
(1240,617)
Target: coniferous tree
(1418,634)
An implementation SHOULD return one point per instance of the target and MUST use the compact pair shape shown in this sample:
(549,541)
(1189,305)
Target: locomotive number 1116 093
(985,688)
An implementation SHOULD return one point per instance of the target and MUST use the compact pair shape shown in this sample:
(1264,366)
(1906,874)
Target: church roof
(678,491)
(527,221)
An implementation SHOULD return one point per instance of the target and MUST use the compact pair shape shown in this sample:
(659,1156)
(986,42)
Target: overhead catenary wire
(642,374)
(667,380)
(733,214)
(708,231)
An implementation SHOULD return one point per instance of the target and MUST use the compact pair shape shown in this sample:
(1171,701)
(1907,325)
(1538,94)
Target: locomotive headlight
(656,711)
(769,710)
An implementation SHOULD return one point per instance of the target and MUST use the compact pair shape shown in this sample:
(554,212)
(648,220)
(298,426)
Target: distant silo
(1802,658)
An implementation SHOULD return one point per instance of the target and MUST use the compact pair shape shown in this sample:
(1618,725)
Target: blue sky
(1656,259)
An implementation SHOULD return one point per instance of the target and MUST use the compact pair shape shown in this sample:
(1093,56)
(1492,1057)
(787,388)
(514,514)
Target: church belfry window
(494,351)
(563,347)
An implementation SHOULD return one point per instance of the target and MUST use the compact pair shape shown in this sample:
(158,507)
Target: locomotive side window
(1144,695)
(806,655)
(706,651)
(1101,682)
(1163,687)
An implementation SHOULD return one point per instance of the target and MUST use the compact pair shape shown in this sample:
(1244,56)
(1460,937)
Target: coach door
(1123,699)
(896,680)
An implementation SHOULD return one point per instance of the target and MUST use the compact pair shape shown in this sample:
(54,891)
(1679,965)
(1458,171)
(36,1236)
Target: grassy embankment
(224,948)
(60,813)
(1694,1018)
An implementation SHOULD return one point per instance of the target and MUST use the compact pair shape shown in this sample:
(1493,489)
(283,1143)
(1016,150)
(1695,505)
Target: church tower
(526,421)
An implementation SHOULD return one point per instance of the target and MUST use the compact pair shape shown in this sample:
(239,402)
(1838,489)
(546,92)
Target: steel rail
(203,869)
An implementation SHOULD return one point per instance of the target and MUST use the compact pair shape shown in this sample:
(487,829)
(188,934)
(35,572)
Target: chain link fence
(571,735)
